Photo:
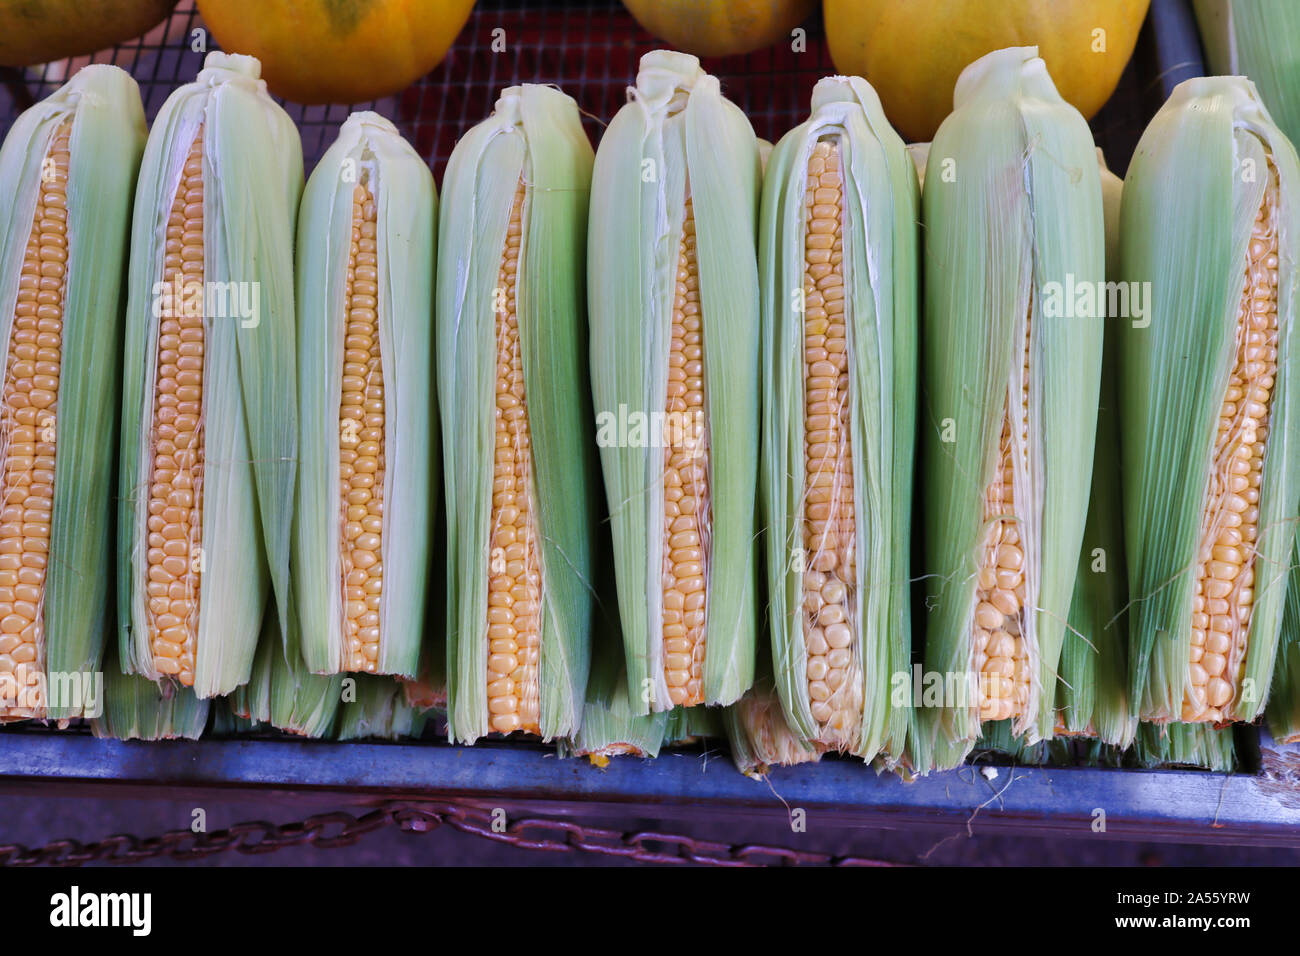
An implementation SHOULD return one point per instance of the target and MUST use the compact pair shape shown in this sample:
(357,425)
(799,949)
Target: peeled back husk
(530,155)
(1209,164)
(678,153)
(872,413)
(1011,370)
(99,113)
(369,156)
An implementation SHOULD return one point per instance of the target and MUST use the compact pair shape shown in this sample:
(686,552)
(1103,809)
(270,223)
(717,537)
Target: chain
(328,830)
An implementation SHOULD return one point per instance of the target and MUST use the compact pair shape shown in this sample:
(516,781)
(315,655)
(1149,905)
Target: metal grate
(590,48)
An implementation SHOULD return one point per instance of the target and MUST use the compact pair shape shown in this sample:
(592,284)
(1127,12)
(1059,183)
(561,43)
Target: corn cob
(673,294)
(516,420)
(838,252)
(368,445)
(68,169)
(209,422)
(1013,212)
(1092,685)
(1210,487)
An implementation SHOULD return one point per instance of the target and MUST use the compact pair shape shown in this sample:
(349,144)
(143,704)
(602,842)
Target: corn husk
(102,103)
(368,149)
(1092,689)
(1185,745)
(379,710)
(610,726)
(677,135)
(1190,200)
(253,176)
(688,726)
(135,708)
(534,132)
(1012,203)
(880,277)
(1259,39)
(282,691)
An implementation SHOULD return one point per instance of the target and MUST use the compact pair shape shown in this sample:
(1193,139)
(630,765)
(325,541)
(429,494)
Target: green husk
(1190,200)
(677,134)
(368,149)
(690,725)
(1283,713)
(380,710)
(1092,686)
(1013,212)
(252,161)
(880,276)
(1185,745)
(1259,39)
(136,708)
(534,132)
(107,138)
(282,692)
(610,726)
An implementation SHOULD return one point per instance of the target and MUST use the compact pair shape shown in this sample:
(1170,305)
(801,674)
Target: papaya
(338,51)
(38,31)
(912,51)
(720,27)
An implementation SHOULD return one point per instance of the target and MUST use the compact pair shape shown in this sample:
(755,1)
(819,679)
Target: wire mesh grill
(590,48)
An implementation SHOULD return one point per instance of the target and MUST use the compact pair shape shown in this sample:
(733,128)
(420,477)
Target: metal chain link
(338,829)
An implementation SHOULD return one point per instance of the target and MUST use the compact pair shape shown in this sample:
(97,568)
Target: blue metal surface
(1168,805)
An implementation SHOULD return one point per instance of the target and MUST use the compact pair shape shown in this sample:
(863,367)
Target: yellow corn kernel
(361,445)
(27,420)
(1225,575)
(176,479)
(1001,657)
(514,633)
(833,670)
(687,512)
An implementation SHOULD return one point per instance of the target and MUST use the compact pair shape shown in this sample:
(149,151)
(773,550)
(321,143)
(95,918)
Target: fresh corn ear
(673,294)
(1011,369)
(516,421)
(1092,685)
(1209,225)
(135,708)
(209,420)
(282,692)
(67,169)
(367,456)
(838,249)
